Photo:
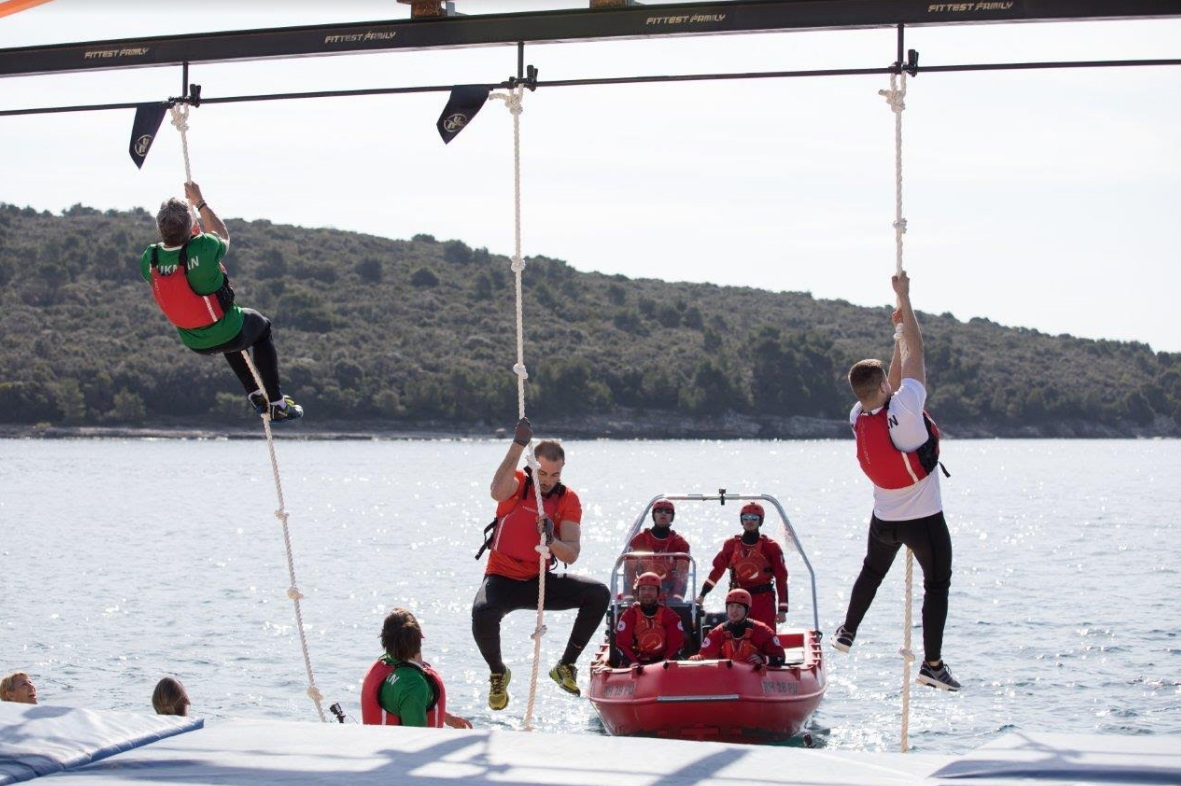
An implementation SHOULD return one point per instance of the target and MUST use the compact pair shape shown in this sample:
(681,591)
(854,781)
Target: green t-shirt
(406,693)
(205,275)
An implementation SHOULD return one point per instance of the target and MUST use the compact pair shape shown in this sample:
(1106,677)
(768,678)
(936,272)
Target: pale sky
(1040,199)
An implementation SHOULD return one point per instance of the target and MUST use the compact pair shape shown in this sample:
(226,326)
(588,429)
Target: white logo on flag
(455,123)
(142,144)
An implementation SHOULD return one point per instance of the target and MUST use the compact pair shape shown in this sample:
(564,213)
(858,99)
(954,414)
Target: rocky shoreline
(621,425)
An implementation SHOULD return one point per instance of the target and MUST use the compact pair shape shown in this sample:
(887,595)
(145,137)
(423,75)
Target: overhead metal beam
(600,24)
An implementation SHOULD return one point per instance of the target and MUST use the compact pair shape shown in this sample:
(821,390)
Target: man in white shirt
(898,449)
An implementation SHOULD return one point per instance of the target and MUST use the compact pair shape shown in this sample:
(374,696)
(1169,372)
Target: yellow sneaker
(567,678)
(498,693)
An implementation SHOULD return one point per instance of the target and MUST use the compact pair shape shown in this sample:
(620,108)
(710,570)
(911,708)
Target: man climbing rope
(649,631)
(741,638)
(662,539)
(898,448)
(201,305)
(511,576)
(756,564)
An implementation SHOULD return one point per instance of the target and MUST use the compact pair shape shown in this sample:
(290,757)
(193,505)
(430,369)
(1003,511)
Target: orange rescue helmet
(753,508)
(739,596)
(664,505)
(648,579)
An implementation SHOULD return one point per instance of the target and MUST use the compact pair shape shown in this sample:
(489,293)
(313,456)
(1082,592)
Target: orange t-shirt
(560,509)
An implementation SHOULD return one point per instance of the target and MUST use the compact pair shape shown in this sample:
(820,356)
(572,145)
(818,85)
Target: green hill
(403,334)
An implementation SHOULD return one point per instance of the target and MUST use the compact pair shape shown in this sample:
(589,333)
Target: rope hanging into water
(896,98)
(180,117)
(514,101)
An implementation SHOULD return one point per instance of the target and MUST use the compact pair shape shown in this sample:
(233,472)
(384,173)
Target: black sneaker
(842,640)
(290,412)
(258,401)
(937,677)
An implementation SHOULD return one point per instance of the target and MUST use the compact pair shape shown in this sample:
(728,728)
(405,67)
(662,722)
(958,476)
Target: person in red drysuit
(756,565)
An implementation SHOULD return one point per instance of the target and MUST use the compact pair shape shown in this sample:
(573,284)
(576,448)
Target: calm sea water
(122,561)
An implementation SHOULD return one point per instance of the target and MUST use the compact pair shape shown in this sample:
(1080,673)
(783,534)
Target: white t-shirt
(907,432)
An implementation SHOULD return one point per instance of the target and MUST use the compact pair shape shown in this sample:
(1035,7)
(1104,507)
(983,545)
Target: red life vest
(649,637)
(748,565)
(739,648)
(180,302)
(373,714)
(884,464)
(515,534)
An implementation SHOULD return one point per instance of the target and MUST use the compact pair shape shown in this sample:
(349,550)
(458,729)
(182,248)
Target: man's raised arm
(215,224)
(894,375)
(504,482)
(913,366)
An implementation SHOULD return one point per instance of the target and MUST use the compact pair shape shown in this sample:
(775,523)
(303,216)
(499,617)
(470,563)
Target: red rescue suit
(644,639)
(760,570)
(673,580)
(739,642)
(886,465)
(183,306)
(373,714)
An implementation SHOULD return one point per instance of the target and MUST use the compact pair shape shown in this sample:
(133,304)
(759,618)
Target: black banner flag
(148,118)
(465,102)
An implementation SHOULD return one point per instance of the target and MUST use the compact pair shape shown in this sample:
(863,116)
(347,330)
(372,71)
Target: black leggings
(256,334)
(930,541)
(498,596)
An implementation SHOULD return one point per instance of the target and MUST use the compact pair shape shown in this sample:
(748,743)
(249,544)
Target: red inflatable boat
(718,700)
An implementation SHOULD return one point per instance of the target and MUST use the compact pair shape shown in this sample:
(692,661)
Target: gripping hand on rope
(545,526)
(523,433)
(202,209)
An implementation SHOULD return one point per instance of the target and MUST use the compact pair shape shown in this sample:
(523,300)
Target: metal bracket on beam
(430,9)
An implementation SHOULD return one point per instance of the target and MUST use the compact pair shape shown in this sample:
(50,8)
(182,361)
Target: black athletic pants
(930,541)
(498,596)
(256,334)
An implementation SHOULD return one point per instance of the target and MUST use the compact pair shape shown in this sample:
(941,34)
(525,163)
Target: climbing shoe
(567,678)
(292,411)
(937,677)
(842,640)
(258,401)
(498,692)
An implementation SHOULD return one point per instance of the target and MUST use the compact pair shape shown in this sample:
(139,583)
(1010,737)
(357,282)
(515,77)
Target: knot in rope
(538,633)
(180,116)
(518,265)
(900,225)
(895,97)
(282,515)
(520,370)
(315,695)
(294,593)
(907,654)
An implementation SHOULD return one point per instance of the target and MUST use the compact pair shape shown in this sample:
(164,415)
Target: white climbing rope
(180,118)
(514,101)
(896,98)
(281,514)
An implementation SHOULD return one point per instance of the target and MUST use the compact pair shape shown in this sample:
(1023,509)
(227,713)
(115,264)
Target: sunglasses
(663,510)
(750,517)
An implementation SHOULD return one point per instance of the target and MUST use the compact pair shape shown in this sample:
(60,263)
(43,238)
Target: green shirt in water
(406,693)
(206,277)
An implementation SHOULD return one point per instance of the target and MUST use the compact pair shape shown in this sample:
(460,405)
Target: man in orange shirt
(511,577)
